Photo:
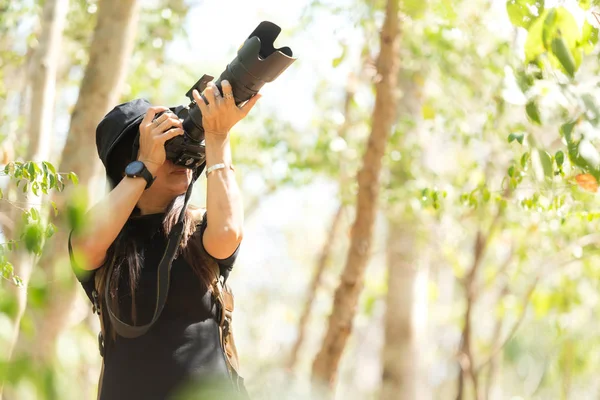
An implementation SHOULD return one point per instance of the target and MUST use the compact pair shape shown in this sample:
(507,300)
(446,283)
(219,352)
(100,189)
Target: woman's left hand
(221,113)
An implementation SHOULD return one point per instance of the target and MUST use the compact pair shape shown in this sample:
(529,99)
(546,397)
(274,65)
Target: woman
(180,356)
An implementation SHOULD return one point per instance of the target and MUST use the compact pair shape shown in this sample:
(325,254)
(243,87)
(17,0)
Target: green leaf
(35,187)
(562,52)
(566,130)
(73,177)
(589,37)
(25,216)
(518,136)
(50,230)
(37,169)
(560,23)
(55,208)
(532,112)
(60,185)
(7,269)
(547,165)
(524,159)
(534,46)
(585,4)
(524,80)
(52,181)
(31,170)
(35,215)
(33,238)
(560,158)
(45,169)
(524,12)
(17,281)
(49,166)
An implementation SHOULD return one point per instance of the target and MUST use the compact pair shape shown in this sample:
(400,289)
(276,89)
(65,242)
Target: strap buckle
(95,302)
(225,316)
(101,344)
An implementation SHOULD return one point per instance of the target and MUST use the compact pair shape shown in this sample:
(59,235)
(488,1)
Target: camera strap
(163,274)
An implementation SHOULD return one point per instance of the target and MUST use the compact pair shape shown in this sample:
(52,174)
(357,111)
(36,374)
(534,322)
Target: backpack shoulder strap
(102,334)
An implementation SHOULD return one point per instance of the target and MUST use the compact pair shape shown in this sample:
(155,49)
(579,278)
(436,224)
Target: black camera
(257,63)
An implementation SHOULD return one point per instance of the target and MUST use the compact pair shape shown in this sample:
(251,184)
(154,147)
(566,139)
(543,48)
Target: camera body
(257,62)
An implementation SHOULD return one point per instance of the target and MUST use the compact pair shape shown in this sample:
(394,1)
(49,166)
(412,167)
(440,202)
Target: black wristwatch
(137,169)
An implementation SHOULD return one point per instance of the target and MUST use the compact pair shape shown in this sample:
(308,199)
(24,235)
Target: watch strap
(144,173)
(147,176)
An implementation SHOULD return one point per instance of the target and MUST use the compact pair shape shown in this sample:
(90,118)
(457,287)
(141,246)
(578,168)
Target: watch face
(134,168)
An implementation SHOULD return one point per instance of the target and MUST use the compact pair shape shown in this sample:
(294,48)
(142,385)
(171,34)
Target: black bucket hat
(117,134)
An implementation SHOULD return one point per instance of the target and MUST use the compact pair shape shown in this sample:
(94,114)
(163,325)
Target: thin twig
(514,329)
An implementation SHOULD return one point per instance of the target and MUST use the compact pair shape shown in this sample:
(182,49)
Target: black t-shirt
(182,348)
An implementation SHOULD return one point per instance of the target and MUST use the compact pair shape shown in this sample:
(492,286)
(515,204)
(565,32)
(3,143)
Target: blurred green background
(481,275)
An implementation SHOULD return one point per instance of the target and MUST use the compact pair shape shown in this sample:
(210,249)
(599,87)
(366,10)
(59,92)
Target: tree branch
(465,355)
(514,329)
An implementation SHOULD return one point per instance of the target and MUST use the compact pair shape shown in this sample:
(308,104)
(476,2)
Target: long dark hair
(125,253)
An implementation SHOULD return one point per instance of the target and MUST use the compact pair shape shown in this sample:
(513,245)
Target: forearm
(105,220)
(224,206)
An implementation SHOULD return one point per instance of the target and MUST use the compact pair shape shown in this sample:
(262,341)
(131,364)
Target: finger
(152,111)
(210,95)
(217,92)
(170,122)
(248,106)
(200,102)
(170,134)
(215,89)
(159,120)
(227,93)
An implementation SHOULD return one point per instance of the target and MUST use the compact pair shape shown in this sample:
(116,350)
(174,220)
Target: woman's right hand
(154,134)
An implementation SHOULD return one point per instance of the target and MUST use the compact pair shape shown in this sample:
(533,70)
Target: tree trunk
(110,50)
(346,296)
(404,360)
(404,319)
(41,119)
(334,232)
(43,79)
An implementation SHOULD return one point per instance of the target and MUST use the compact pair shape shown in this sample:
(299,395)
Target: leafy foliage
(39,179)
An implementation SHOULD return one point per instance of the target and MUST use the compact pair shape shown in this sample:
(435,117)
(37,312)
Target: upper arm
(81,258)
(79,263)
(222,248)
